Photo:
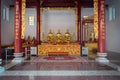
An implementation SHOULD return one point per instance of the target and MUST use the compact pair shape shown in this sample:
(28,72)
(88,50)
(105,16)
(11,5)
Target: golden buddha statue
(58,37)
(67,36)
(50,37)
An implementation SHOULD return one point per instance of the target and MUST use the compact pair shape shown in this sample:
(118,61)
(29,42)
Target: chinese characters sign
(17,19)
(102,21)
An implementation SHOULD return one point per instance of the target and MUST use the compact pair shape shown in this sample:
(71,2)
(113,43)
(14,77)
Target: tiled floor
(60,78)
(80,69)
(60,66)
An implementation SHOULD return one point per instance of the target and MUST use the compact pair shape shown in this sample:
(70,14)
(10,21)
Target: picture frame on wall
(31,20)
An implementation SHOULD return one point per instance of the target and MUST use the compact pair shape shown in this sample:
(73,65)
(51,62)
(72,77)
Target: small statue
(58,37)
(92,35)
(33,41)
(28,40)
(67,36)
(50,36)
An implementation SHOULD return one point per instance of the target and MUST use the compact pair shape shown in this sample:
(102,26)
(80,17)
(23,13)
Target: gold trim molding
(59,8)
(23,18)
(96,18)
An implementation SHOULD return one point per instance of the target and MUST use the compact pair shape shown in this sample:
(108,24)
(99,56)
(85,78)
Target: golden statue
(50,37)
(67,36)
(28,40)
(58,37)
(92,36)
(33,41)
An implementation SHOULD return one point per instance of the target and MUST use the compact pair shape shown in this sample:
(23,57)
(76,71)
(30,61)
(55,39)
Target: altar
(72,49)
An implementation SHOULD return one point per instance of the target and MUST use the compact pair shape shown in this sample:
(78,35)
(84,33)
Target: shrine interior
(66,35)
(57,16)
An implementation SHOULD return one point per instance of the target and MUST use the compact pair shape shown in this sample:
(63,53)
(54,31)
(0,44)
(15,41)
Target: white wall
(30,30)
(113,27)
(58,20)
(86,12)
(7,28)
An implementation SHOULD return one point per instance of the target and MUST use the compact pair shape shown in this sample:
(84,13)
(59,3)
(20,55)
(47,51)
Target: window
(111,13)
(6,13)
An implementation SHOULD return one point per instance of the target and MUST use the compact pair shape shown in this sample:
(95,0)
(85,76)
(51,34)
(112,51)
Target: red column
(101,27)
(85,32)
(0,32)
(17,27)
(38,22)
(2,69)
(79,22)
(101,33)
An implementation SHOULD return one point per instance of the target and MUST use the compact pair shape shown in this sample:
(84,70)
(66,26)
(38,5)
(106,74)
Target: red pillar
(38,22)
(0,34)
(101,32)
(17,31)
(2,69)
(79,22)
(101,27)
(85,32)
(17,27)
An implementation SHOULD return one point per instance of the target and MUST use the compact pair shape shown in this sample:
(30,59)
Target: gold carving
(96,18)
(92,35)
(59,8)
(50,37)
(23,18)
(58,37)
(67,36)
(71,49)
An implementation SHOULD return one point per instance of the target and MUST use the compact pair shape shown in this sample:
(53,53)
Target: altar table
(62,49)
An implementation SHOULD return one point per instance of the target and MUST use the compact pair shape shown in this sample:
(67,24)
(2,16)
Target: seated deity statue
(58,37)
(33,41)
(92,35)
(67,36)
(28,40)
(50,37)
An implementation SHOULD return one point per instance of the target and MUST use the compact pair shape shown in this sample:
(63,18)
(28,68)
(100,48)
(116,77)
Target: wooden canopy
(59,3)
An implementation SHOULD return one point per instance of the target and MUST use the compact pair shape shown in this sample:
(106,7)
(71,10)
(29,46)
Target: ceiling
(60,3)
